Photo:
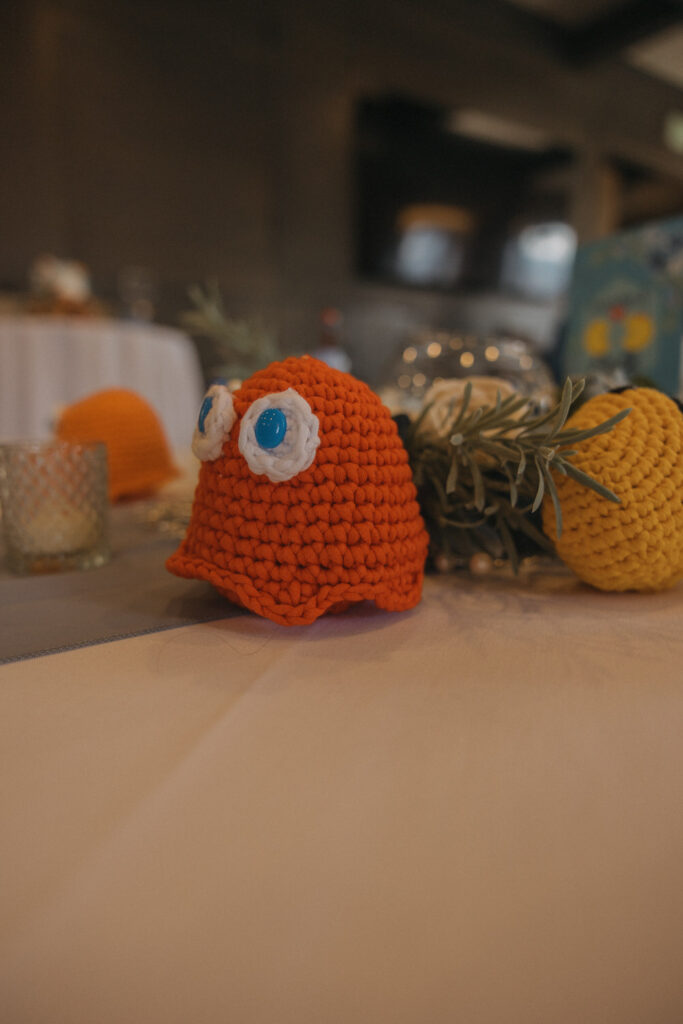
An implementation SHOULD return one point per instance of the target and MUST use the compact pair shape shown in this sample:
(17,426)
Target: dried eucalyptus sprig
(240,347)
(481,484)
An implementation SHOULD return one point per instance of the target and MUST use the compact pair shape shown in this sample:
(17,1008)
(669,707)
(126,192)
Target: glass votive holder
(55,505)
(437,355)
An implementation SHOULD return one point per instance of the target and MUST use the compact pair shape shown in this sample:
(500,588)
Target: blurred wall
(205,139)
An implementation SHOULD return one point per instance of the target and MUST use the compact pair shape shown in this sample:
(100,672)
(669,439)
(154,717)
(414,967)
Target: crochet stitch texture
(637,545)
(346,529)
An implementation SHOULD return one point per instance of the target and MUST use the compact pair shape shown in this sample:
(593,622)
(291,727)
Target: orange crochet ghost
(305,501)
(138,453)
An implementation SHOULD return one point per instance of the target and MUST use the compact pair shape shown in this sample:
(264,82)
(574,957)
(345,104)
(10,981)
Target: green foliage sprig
(238,347)
(481,483)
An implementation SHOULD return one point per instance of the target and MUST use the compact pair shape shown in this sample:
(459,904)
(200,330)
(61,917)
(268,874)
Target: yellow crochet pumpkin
(638,544)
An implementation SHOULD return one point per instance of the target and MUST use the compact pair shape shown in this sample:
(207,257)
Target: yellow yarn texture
(637,545)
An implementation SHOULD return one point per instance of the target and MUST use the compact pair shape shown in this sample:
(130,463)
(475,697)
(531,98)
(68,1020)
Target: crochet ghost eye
(214,423)
(270,429)
(207,406)
(279,435)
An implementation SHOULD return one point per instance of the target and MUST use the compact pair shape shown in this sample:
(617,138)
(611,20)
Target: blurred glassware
(432,244)
(138,293)
(330,348)
(538,260)
(54,505)
(435,355)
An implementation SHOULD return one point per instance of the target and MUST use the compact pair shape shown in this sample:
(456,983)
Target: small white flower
(63,279)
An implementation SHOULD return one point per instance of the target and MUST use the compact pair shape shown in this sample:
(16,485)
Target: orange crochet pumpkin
(305,501)
(137,450)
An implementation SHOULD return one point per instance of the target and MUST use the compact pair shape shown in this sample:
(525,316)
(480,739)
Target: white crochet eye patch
(279,435)
(216,418)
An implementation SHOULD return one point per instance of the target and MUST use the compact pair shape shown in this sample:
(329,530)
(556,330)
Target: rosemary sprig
(237,347)
(481,485)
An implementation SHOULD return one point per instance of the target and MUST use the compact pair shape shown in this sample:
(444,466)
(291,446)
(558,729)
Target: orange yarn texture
(347,529)
(137,450)
(637,545)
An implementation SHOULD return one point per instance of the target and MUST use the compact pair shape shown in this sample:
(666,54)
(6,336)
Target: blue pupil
(270,429)
(204,412)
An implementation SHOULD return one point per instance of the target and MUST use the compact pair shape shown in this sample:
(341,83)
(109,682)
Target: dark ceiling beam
(610,33)
(599,38)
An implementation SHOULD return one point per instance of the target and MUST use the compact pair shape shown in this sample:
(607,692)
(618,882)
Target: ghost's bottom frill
(397,591)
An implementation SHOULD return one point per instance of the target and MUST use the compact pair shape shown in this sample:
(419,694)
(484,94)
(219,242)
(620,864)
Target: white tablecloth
(48,361)
(472,812)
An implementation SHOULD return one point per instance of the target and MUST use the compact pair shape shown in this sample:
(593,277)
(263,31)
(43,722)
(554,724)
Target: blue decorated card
(626,307)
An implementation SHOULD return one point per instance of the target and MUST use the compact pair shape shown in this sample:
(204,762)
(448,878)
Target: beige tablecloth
(469,813)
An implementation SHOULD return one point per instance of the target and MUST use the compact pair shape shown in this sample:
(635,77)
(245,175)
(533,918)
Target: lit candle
(54,502)
(58,528)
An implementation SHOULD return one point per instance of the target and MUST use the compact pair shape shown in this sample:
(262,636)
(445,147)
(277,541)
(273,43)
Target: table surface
(468,813)
(132,594)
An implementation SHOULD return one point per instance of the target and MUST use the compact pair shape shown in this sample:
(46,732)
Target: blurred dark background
(382,158)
